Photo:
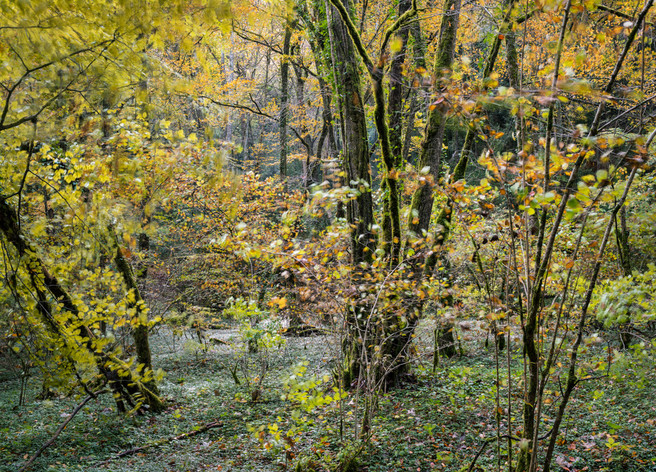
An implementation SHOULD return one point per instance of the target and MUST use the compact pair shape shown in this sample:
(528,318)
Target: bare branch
(61,428)
(29,71)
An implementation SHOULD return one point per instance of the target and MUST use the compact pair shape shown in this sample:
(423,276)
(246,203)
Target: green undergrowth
(438,421)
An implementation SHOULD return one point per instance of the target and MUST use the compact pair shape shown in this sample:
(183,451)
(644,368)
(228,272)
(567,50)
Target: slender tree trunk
(395,116)
(528,455)
(526,459)
(467,147)
(514,75)
(443,221)
(140,330)
(284,97)
(396,83)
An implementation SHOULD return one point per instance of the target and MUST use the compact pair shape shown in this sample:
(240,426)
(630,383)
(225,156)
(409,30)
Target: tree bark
(418,94)
(430,152)
(396,83)
(284,95)
(140,331)
(391,241)
(355,146)
(355,162)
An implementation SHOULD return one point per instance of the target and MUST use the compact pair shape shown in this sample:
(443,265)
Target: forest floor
(440,421)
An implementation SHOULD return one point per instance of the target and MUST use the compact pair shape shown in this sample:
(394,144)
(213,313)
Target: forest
(327,235)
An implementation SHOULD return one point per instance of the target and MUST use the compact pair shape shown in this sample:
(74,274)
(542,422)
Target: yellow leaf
(396,44)
(281,302)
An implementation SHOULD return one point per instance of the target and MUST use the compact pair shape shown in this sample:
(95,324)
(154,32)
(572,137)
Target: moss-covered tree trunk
(382,333)
(355,162)
(140,322)
(430,157)
(396,92)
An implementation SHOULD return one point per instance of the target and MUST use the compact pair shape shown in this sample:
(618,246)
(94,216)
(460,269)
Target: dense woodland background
(327,235)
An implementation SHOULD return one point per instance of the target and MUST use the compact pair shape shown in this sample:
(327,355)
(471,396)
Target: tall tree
(68,67)
(284,89)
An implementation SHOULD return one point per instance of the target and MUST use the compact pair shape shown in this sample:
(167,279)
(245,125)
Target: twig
(202,429)
(485,443)
(59,430)
(495,438)
(607,124)
(615,12)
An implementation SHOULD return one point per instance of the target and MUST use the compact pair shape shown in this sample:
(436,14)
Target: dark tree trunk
(355,157)
(284,96)
(140,331)
(355,161)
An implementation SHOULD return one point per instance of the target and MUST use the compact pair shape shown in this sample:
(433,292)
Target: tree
(66,71)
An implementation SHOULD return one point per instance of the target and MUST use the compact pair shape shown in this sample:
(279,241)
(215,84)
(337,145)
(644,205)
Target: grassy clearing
(438,422)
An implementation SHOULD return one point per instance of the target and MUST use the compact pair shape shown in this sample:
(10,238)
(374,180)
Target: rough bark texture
(391,241)
(355,157)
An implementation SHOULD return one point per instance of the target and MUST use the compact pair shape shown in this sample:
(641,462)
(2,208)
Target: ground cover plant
(329,235)
(440,421)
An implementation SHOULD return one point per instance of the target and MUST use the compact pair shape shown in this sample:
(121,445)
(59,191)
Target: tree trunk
(395,102)
(431,146)
(419,95)
(430,156)
(126,386)
(394,333)
(514,75)
(140,331)
(355,161)
(355,157)
(284,94)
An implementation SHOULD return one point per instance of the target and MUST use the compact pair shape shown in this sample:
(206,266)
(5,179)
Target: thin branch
(620,62)
(61,428)
(256,111)
(258,39)
(190,434)
(33,117)
(19,192)
(238,106)
(646,100)
(399,23)
(618,13)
